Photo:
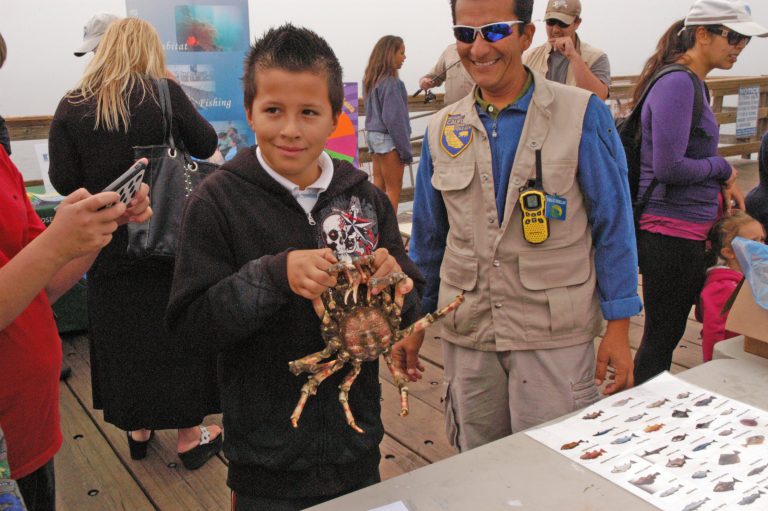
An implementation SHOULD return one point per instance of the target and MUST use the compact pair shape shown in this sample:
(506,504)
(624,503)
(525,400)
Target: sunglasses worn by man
(734,38)
(491,32)
(552,22)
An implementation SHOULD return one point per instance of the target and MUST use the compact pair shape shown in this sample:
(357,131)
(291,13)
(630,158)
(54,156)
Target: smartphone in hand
(128,184)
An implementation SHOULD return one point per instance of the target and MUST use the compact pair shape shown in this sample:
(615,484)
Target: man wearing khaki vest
(519,351)
(565,58)
(448,70)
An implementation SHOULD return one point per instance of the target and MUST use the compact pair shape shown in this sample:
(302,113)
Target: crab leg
(310,388)
(393,279)
(344,395)
(309,362)
(359,276)
(400,380)
(427,320)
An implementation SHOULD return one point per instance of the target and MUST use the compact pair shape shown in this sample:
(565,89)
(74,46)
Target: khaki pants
(489,395)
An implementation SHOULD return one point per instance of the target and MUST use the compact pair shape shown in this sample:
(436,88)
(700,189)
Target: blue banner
(205,46)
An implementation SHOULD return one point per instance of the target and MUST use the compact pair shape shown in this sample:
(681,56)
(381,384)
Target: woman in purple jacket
(386,116)
(693,181)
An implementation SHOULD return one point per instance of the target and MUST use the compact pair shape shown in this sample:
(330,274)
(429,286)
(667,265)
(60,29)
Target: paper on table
(395,506)
(672,443)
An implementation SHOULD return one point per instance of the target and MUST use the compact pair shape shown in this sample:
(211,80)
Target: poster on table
(675,445)
(342,143)
(205,43)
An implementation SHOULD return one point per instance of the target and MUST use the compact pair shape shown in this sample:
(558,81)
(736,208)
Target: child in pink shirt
(723,276)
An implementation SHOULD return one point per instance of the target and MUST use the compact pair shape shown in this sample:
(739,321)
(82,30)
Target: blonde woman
(141,377)
(386,116)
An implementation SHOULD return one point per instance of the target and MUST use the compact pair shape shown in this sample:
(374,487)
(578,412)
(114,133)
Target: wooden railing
(35,128)
(720,88)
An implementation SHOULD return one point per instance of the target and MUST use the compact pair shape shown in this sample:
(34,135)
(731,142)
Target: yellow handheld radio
(532,204)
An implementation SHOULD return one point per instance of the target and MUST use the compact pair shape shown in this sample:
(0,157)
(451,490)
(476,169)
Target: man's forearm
(586,79)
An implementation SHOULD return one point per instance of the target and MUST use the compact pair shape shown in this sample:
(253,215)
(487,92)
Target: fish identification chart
(676,445)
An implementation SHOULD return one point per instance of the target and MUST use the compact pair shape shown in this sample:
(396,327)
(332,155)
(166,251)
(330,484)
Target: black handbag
(172,175)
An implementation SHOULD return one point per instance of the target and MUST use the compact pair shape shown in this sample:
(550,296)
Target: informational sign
(746,112)
(342,143)
(205,43)
(671,443)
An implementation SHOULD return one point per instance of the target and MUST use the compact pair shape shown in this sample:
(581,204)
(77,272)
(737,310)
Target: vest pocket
(458,274)
(554,299)
(448,178)
(453,183)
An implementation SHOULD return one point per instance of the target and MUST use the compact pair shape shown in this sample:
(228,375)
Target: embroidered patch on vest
(457,135)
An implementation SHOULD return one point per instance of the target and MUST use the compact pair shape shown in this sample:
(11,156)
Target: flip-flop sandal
(198,455)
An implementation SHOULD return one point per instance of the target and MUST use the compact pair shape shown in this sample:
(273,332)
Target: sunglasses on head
(552,22)
(491,32)
(734,38)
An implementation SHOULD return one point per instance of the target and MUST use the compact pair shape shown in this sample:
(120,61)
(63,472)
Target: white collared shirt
(307,198)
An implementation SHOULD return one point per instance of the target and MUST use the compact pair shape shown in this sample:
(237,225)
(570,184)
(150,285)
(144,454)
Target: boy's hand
(138,211)
(405,355)
(80,226)
(308,272)
(384,263)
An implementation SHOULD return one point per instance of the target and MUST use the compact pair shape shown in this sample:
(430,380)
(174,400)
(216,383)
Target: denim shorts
(379,143)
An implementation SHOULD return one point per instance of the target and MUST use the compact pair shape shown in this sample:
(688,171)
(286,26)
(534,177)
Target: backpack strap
(698,110)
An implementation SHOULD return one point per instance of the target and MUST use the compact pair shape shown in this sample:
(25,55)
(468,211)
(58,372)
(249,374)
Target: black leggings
(39,489)
(673,272)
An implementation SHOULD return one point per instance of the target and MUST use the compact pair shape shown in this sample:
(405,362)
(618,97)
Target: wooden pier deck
(95,473)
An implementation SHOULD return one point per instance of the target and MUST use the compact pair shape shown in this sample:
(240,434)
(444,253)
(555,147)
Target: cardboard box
(749,319)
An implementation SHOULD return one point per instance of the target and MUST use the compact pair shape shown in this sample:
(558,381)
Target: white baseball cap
(93,32)
(732,14)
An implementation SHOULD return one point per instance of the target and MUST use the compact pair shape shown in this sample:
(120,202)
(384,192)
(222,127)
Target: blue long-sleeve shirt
(602,176)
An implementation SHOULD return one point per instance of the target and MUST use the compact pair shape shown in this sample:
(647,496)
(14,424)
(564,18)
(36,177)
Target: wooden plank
(161,473)
(29,128)
(739,149)
(728,116)
(89,477)
(432,350)
(422,430)
(396,459)
(429,389)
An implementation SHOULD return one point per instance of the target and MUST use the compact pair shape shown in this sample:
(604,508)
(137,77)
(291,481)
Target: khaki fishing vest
(538,59)
(518,296)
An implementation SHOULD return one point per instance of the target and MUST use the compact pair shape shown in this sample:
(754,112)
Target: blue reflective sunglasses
(491,32)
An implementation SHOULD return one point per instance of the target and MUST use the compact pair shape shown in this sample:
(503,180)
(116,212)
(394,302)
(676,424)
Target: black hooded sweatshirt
(231,296)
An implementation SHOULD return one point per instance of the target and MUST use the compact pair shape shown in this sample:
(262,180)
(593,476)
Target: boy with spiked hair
(249,267)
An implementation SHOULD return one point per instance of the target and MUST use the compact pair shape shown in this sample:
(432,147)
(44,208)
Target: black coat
(141,377)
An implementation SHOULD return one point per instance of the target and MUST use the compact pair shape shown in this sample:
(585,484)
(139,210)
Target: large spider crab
(357,327)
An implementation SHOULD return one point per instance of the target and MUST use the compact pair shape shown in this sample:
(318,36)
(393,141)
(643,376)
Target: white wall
(42,34)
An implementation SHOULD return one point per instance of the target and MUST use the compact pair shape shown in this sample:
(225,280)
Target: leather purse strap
(164,96)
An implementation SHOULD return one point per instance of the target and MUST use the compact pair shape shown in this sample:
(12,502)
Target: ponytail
(722,233)
(677,40)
